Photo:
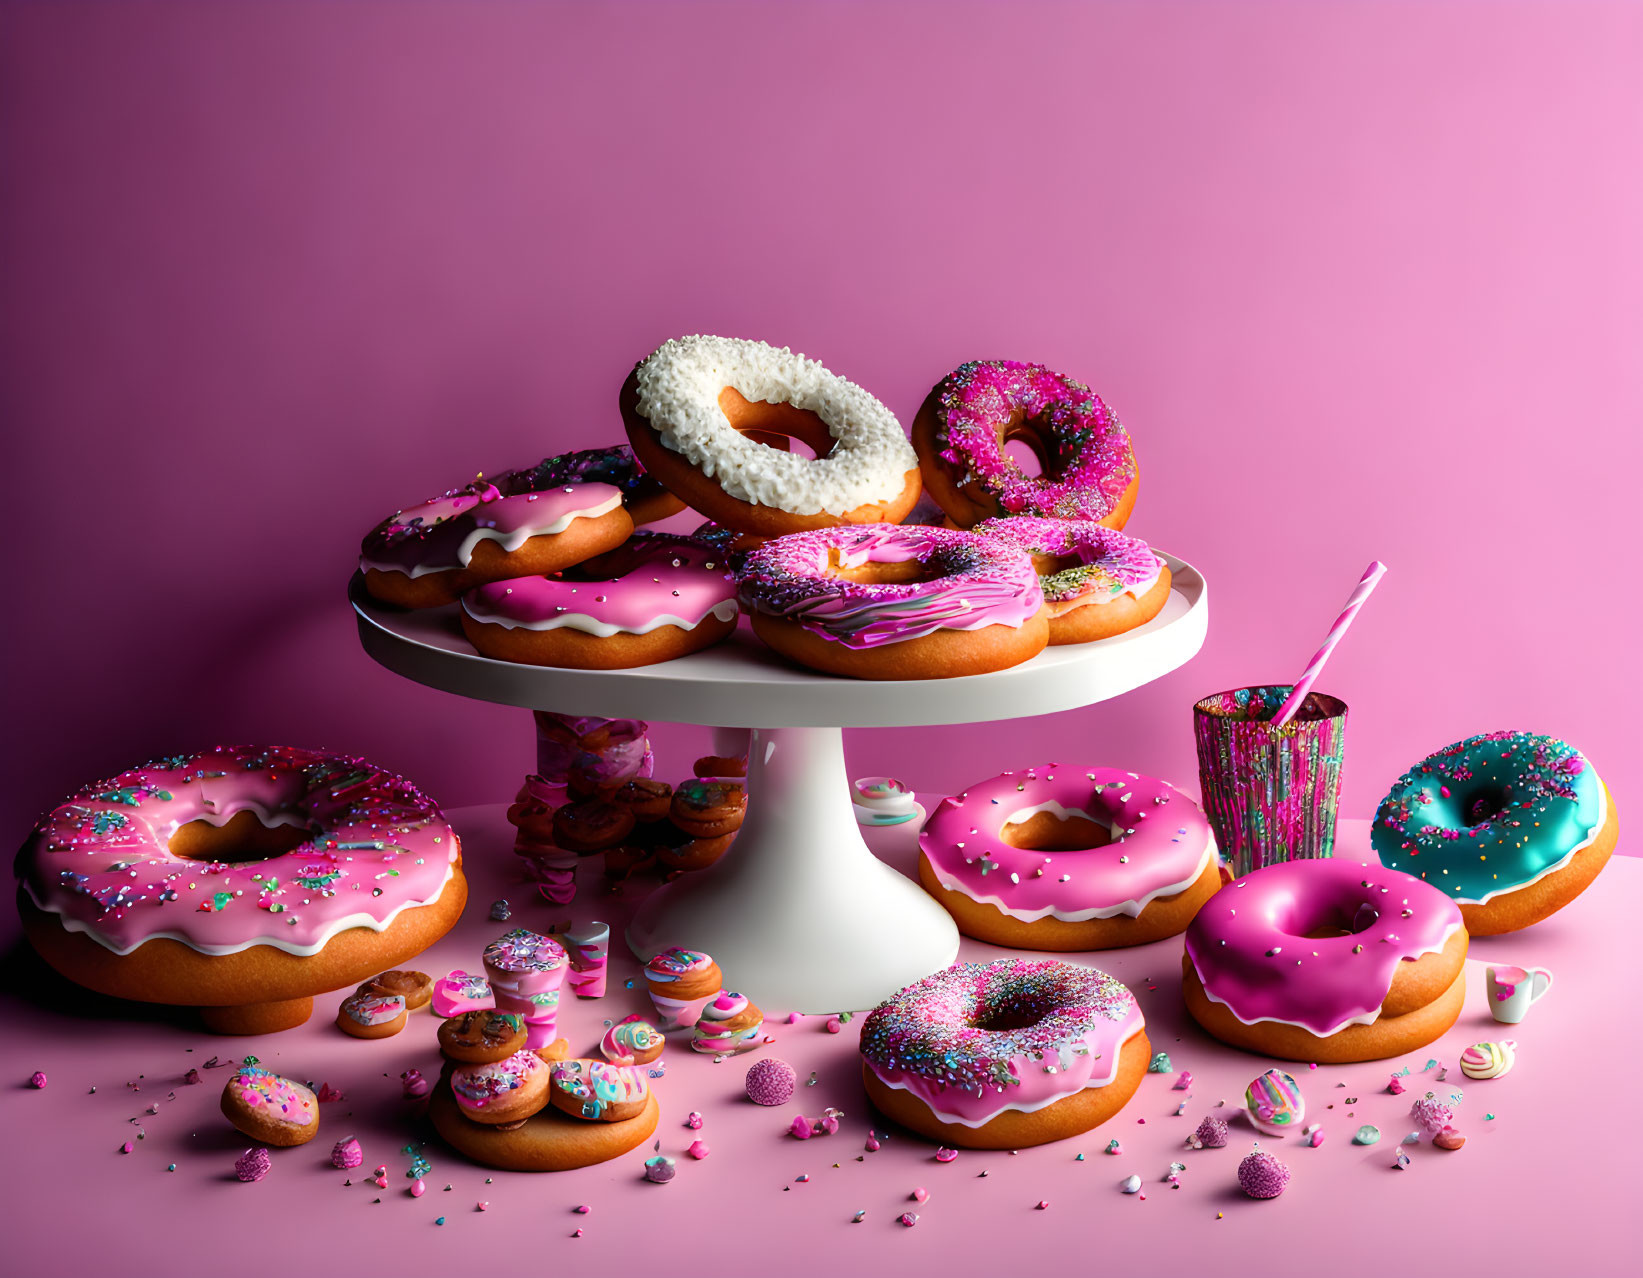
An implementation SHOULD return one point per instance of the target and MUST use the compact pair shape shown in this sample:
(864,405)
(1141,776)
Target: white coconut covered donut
(712,419)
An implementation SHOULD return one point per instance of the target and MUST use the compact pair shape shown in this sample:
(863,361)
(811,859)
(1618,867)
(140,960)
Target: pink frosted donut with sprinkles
(656,597)
(243,880)
(538,520)
(1006,1054)
(888,602)
(1086,464)
(1097,582)
(1329,960)
(1069,857)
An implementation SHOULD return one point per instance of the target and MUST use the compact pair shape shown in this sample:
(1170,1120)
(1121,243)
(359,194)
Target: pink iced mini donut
(429,554)
(459,992)
(1069,857)
(1087,466)
(1326,960)
(1006,1054)
(654,598)
(243,880)
(1097,582)
(886,602)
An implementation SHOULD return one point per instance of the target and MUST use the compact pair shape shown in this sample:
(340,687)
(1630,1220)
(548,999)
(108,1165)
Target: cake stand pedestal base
(258,1018)
(799,914)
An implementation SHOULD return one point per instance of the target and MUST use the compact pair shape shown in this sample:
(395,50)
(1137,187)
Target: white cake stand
(800,915)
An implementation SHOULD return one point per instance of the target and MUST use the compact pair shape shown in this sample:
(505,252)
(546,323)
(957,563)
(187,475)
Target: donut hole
(1011,1016)
(1049,565)
(1025,443)
(1322,921)
(1484,804)
(875,573)
(1047,832)
(241,839)
(781,426)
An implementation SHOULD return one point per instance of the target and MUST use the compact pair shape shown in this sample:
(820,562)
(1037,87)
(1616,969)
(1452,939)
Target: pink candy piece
(589,958)
(37,1079)
(872,1145)
(418,1188)
(1183,1082)
(945,1155)
(253,1165)
(698,1149)
(799,1129)
(834,1025)
(1431,1114)
(1395,1086)
(693,1120)
(346,1153)
(461,992)
(919,1195)
(482,1205)
(413,1084)
(908,1218)
(1261,1175)
(771,1082)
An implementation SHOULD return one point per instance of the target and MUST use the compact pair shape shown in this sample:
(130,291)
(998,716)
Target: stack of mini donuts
(805,480)
(640,822)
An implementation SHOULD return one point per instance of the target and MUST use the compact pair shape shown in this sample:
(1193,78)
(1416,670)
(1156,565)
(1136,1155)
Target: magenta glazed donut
(1006,1054)
(1328,960)
(890,602)
(1069,858)
(1087,465)
(656,597)
(1097,582)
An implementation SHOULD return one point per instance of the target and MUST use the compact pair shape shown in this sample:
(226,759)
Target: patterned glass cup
(1270,793)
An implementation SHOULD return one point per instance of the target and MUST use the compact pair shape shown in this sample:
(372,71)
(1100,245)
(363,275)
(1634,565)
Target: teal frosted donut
(1510,825)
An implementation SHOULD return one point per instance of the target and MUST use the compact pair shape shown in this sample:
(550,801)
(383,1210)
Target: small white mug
(1513,989)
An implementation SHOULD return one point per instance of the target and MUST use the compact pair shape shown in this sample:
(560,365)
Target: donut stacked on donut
(541,520)
(1087,464)
(885,602)
(1510,825)
(710,417)
(1069,858)
(1096,582)
(1326,960)
(1006,1054)
(242,880)
(654,598)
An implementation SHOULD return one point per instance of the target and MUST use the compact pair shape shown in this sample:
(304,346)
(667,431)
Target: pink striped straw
(1370,579)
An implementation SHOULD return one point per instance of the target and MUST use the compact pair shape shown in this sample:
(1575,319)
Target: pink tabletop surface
(1553,1168)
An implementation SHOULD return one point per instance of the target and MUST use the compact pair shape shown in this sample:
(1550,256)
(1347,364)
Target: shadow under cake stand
(799,913)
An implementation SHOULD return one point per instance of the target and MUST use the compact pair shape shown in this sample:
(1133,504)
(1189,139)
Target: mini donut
(1096,582)
(693,855)
(242,880)
(728,1024)
(1005,1055)
(1510,825)
(591,825)
(718,766)
(654,598)
(367,1013)
(459,991)
(429,554)
(481,1037)
(503,1091)
(895,603)
(708,809)
(270,1107)
(681,983)
(1069,858)
(548,1140)
(597,1091)
(647,798)
(632,1041)
(1327,960)
(883,801)
(710,417)
(416,988)
(1085,458)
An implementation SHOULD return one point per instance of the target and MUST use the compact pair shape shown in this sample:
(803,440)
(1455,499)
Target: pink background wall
(1364,280)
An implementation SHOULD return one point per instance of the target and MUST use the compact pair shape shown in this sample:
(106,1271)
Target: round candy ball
(1262,1176)
(771,1082)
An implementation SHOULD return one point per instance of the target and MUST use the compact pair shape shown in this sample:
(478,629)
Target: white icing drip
(1369,1018)
(946,1117)
(1602,820)
(679,388)
(724,610)
(510,541)
(274,942)
(1130,908)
